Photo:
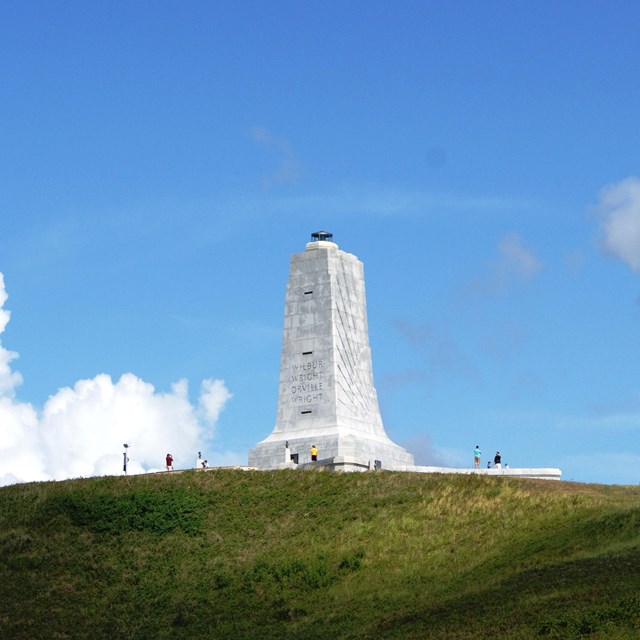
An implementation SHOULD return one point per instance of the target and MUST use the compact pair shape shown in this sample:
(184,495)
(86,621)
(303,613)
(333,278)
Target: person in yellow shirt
(314,453)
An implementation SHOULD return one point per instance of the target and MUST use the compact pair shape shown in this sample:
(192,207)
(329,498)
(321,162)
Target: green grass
(233,554)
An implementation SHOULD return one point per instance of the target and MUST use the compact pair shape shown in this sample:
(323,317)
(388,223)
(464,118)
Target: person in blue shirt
(476,457)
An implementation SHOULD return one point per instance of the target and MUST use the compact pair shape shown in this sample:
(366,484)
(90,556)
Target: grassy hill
(305,554)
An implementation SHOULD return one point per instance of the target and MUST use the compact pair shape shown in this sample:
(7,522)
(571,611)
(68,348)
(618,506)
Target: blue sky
(160,161)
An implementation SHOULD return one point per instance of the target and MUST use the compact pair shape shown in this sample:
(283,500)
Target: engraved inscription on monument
(306,382)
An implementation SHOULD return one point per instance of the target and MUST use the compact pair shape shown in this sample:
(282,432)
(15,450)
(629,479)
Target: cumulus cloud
(81,429)
(213,396)
(288,170)
(9,380)
(619,211)
(4,314)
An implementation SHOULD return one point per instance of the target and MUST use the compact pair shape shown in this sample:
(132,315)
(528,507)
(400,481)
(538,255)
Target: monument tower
(326,394)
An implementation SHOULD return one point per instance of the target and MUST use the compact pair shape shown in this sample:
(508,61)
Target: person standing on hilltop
(169,461)
(476,457)
(497,461)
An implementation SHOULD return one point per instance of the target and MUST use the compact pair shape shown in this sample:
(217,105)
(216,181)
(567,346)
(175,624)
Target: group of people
(497,459)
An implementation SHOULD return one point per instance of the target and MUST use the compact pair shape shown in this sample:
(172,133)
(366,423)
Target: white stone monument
(326,396)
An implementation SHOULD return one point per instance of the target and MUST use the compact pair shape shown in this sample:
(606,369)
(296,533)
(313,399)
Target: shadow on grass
(571,599)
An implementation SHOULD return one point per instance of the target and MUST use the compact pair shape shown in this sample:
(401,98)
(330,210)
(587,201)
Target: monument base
(265,458)
(344,463)
(540,473)
(362,451)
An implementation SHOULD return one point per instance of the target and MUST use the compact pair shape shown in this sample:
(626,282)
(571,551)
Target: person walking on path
(314,453)
(169,461)
(497,461)
(476,457)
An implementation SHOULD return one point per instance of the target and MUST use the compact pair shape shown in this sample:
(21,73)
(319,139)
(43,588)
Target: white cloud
(4,314)
(517,261)
(80,431)
(288,171)
(516,264)
(9,380)
(619,211)
(213,396)
(23,458)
